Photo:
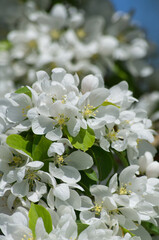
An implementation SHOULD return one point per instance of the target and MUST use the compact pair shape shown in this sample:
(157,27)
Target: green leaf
(103,160)
(18,142)
(124,230)
(81,227)
(40,147)
(122,157)
(24,90)
(86,182)
(106,103)
(5,45)
(91,174)
(84,140)
(151,228)
(35,212)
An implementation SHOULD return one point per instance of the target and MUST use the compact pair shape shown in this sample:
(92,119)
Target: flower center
(31,175)
(26,237)
(123,190)
(97,209)
(112,135)
(32,44)
(61,120)
(89,111)
(81,33)
(16,161)
(60,159)
(64,98)
(25,110)
(55,34)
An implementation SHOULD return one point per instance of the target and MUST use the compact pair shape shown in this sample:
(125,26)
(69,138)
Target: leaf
(40,147)
(24,90)
(106,103)
(81,227)
(5,45)
(151,228)
(18,142)
(124,230)
(35,212)
(84,140)
(122,157)
(86,182)
(103,160)
(91,174)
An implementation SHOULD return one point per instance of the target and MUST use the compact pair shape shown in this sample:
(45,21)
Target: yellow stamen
(31,175)
(25,110)
(81,33)
(60,159)
(17,160)
(89,111)
(25,237)
(123,190)
(61,120)
(32,44)
(97,208)
(112,135)
(55,34)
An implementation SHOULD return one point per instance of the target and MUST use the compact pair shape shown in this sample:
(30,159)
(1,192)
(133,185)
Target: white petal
(98,96)
(50,198)
(73,126)
(35,165)
(79,160)
(54,135)
(128,173)
(42,125)
(89,83)
(20,189)
(56,148)
(62,191)
(58,74)
(71,175)
(42,75)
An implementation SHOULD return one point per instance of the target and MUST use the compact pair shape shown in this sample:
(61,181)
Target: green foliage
(122,156)
(103,160)
(86,182)
(18,142)
(81,227)
(38,211)
(84,140)
(5,45)
(91,174)
(124,230)
(24,90)
(151,228)
(34,145)
(109,103)
(40,147)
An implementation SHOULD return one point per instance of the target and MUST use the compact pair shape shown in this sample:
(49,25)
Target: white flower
(16,226)
(148,166)
(17,111)
(68,166)
(29,184)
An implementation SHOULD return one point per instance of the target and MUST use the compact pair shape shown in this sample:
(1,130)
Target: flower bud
(153,169)
(144,161)
(89,83)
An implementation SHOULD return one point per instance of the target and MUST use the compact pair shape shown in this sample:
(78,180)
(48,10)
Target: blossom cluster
(64,143)
(66,37)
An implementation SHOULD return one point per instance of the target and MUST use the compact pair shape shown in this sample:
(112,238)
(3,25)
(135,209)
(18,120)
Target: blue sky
(146,14)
